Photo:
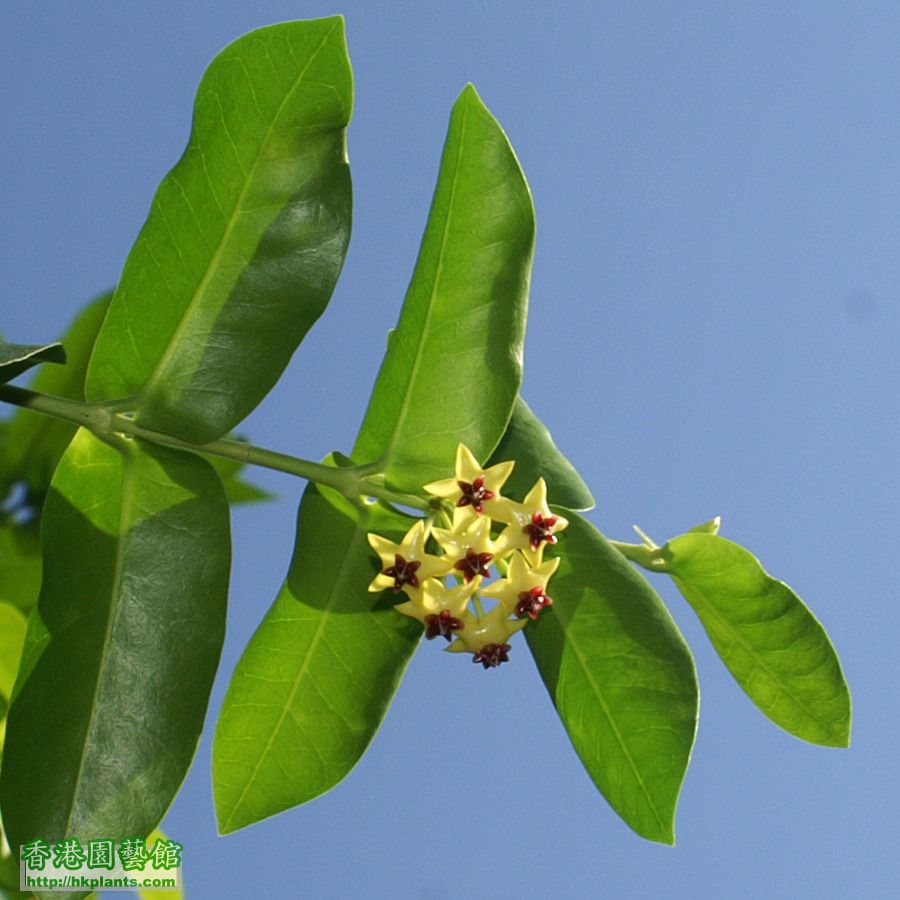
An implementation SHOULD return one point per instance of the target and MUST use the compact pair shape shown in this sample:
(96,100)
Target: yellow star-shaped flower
(440,609)
(435,598)
(470,548)
(474,534)
(486,637)
(406,566)
(524,589)
(474,490)
(532,525)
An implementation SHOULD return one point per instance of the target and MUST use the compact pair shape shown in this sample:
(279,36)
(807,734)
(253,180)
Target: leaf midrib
(615,729)
(128,484)
(225,240)
(423,334)
(692,598)
(301,673)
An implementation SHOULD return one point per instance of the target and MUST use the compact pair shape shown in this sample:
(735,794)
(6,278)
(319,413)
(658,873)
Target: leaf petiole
(649,558)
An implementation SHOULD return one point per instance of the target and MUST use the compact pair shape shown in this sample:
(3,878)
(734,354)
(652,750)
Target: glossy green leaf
(9,880)
(6,480)
(12,635)
(18,358)
(244,241)
(453,366)
(9,867)
(315,680)
(772,644)
(239,491)
(710,527)
(531,445)
(121,652)
(33,444)
(621,677)
(20,565)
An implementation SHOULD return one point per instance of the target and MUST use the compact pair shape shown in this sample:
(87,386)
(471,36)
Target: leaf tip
(841,738)
(225,816)
(665,834)
(223,828)
(469,95)
(338,24)
(660,833)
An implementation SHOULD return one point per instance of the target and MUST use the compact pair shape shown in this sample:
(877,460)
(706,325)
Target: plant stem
(97,417)
(107,419)
(647,557)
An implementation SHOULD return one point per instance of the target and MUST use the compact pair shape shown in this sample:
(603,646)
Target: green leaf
(239,491)
(33,444)
(244,241)
(18,358)
(20,565)
(454,364)
(9,879)
(772,644)
(621,677)
(531,445)
(314,682)
(710,527)
(12,635)
(121,652)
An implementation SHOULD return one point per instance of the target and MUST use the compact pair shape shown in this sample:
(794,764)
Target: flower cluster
(486,530)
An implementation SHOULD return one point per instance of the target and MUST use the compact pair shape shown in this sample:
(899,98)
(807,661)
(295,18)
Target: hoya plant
(453,516)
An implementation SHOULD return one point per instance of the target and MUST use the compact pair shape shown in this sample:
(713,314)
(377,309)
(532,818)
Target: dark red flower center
(472,564)
(474,494)
(442,624)
(403,572)
(540,528)
(532,602)
(491,655)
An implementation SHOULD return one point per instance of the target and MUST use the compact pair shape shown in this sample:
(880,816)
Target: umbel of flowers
(485,531)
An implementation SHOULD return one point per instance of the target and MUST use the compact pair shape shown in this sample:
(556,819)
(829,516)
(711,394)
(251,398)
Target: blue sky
(713,330)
